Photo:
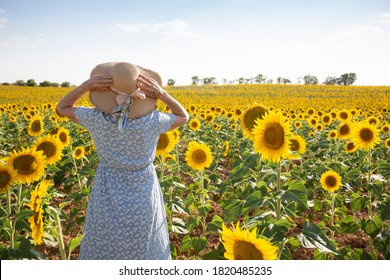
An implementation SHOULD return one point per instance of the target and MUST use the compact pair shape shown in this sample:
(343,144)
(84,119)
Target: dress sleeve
(165,121)
(86,116)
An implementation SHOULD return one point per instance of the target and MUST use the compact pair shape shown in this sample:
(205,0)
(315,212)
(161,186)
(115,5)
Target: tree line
(32,83)
(345,80)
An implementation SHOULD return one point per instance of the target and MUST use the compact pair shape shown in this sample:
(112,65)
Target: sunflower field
(258,172)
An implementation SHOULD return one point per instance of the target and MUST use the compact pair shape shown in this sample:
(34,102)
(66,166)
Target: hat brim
(106,100)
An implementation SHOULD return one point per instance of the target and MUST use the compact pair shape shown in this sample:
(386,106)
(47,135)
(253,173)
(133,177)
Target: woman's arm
(66,106)
(151,88)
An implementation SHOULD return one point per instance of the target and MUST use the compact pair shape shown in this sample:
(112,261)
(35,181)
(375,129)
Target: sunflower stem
(332,215)
(278,199)
(11,224)
(369,182)
(75,168)
(202,200)
(61,244)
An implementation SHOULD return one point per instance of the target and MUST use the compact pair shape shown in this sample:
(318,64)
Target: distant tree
(310,80)
(5,84)
(65,84)
(330,80)
(241,80)
(260,78)
(209,81)
(282,80)
(195,80)
(31,83)
(346,79)
(171,82)
(270,81)
(54,84)
(45,84)
(224,81)
(20,83)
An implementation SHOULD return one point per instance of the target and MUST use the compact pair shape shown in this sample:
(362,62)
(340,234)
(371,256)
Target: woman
(125,217)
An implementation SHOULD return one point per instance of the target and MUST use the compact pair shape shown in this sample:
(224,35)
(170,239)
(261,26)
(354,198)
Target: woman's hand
(150,87)
(99,82)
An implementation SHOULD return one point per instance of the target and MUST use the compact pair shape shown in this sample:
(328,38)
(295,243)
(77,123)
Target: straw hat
(124,76)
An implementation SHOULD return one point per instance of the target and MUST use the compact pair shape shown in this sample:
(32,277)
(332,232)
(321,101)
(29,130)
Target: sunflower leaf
(313,237)
(296,192)
(384,168)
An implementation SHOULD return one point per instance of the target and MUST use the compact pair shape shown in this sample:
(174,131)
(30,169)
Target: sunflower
(387,143)
(166,143)
(244,245)
(326,119)
(351,147)
(63,136)
(249,117)
(344,115)
(51,148)
(238,112)
(385,129)
(344,131)
(28,164)
(330,181)
(271,136)
(36,220)
(194,124)
(7,176)
(216,127)
(310,111)
(365,135)
(78,152)
(209,118)
(198,155)
(35,127)
(332,134)
(225,148)
(374,121)
(297,124)
(297,146)
(167,158)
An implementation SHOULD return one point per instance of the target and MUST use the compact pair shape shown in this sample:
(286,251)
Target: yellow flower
(28,164)
(225,148)
(344,131)
(297,146)
(36,220)
(344,115)
(7,176)
(167,158)
(79,152)
(330,181)
(35,127)
(166,143)
(249,117)
(365,135)
(332,134)
(63,136)
(194,124)
(387,143)
(385,128)
(271,137)
(51,148)
(244,245)
(351,147)
(198,156)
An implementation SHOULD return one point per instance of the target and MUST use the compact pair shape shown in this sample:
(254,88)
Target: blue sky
(63,40)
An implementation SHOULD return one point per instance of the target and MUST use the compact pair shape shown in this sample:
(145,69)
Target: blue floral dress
(125,217)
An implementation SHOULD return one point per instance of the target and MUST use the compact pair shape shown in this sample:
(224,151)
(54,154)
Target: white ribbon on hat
(124,101)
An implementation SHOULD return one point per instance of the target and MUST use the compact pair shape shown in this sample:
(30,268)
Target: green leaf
(186,243)
(204,209)
(384,168)
(73,244)
(376,188)
(353,174)
(215,224)
(213,255)
(199,243)
(296,192)
(233,208)
(372,226)
(358,202)
(179,226)
(384,208)
(313,237)
(253,201)
(23,214)
(347,225)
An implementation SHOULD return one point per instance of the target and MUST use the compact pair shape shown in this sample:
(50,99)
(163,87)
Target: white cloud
(3,20)
(177,27)
(18,42)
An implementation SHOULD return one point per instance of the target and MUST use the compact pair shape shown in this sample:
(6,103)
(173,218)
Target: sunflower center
(344,129)
(163,141)
(199,156)
(366,134)
(243,250)
(194,124)
(49,149)
(350,146)
(344,115)
(36,126)
(25,164)
(330,181)
(63,137)
(5,178)
(274,136)
(326,119)
(294,145)
(252,115)
(78,152)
